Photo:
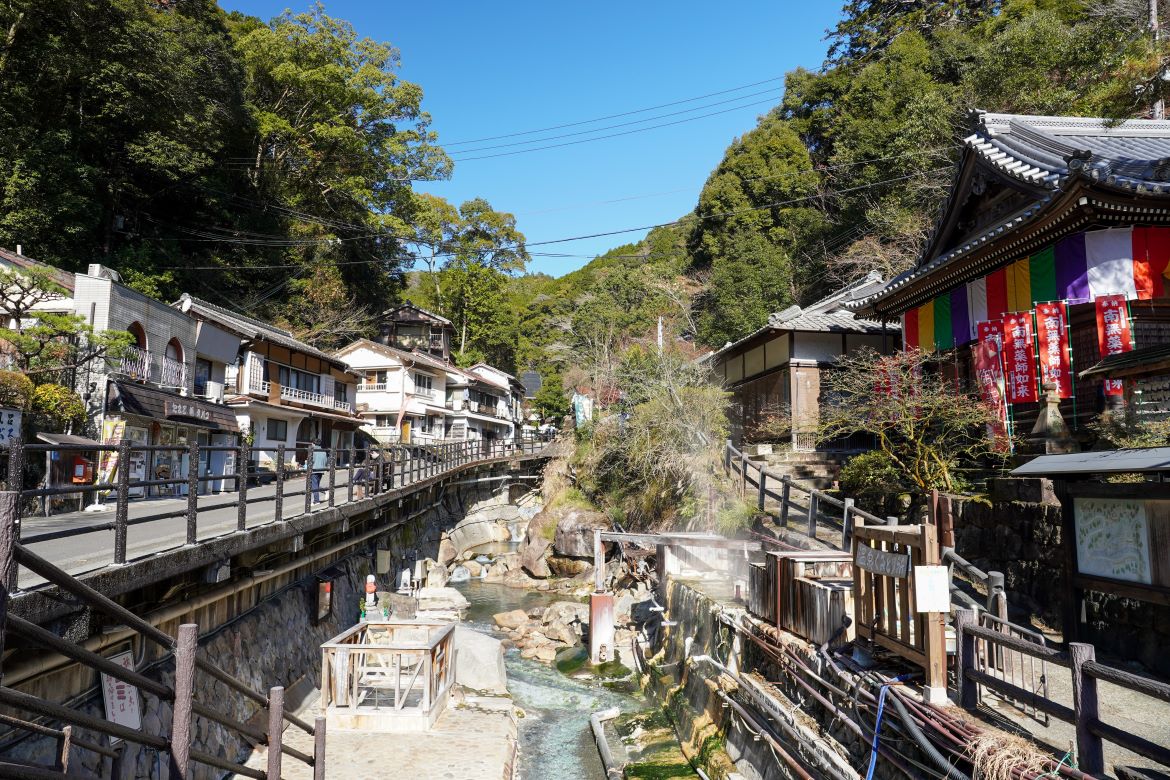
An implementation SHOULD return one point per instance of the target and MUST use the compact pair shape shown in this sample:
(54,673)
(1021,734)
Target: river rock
(404,607)
(479,661)
(437,577)
(574,532)
(567,611)
(473,568)
(546,653)
(512,620)
(441,599)
(447,552)
(561,632)
(562,566)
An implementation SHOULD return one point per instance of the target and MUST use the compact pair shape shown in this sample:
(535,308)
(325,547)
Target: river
(555,739)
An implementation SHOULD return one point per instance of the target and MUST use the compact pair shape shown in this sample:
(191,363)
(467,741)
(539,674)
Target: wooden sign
(881,562)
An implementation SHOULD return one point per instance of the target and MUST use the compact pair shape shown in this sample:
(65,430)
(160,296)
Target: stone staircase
(811,469)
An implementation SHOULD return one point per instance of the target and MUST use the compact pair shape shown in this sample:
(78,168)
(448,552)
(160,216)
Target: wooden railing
(756,477)
(1080,660)
(178,743)
(400,668)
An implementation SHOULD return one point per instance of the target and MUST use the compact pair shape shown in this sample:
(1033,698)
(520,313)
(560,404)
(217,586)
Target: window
(423,384)
(174,351)
(202,375)
(375,377)
(340,392)
(277,430)
(138,333)
(384,421)
(300,380)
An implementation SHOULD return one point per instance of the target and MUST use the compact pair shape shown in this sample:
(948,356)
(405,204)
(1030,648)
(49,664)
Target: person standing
(317,467)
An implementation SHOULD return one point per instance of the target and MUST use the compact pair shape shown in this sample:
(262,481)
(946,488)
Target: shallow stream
(555,739)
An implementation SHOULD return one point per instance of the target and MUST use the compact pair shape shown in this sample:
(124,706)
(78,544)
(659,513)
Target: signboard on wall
(887,564)
(1113,538)
(123,705)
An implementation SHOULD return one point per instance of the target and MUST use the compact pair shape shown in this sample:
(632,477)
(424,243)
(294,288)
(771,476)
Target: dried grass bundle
(999,756)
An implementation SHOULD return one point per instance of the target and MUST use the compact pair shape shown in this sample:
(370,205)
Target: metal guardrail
(1084,715)
(382,469)
(758,476)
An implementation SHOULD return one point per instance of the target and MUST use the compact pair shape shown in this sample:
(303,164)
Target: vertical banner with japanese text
(1113,333)
(988,365)
(1052,337)
(1019,356)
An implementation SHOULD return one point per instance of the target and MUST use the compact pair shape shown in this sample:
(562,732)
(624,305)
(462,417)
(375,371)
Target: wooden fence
(1080,660)
(756,478)
(885,600)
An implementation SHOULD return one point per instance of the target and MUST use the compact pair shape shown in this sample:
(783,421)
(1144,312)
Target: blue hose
(877,729)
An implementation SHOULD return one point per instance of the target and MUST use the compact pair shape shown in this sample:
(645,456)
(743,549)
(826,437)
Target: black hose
(925,744)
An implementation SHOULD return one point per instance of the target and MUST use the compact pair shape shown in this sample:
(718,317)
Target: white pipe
(612,771)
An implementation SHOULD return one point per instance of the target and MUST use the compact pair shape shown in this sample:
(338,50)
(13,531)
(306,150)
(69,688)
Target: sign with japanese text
(1052,341)
(1019,356)
(887,564)
(186,409)
(121,698)
(9,426)
(988,363)
(1113,333)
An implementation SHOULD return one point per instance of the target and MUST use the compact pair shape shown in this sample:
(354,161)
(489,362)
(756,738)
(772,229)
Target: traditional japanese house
(1057,223)
(776,370)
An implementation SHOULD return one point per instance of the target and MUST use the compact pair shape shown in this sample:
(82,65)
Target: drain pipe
(612,770)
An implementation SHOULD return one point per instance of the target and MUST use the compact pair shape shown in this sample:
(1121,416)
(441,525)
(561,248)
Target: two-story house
(509,407)
(401,395)
(280,389)
(149,394)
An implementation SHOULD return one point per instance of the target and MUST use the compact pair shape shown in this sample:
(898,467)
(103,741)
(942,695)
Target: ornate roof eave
(1082,203)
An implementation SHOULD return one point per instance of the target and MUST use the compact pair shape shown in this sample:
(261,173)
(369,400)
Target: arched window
(139,334)
(175,350)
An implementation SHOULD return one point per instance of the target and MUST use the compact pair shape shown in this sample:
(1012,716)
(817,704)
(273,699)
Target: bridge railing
(178,743)
(347,475)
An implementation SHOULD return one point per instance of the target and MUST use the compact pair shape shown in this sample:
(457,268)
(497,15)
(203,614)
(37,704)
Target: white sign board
(932,589)
(9,426)
(122,700)
(1113,538)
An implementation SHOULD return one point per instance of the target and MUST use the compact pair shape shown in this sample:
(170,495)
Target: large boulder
(437,577)
(441,599)
(447,552)
(479,661)
(513,619)
(570,567)
(574,532)
(537,539)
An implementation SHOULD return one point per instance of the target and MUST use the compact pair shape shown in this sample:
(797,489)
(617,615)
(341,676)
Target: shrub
(57,408)
(15,390)
(873,478)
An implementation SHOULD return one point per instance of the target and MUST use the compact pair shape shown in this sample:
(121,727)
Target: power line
(611,135)
(612,116)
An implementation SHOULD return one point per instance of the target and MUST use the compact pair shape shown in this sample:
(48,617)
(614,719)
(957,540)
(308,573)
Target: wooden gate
(885,570)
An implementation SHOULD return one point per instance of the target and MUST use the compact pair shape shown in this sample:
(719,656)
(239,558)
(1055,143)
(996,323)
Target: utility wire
(612,116)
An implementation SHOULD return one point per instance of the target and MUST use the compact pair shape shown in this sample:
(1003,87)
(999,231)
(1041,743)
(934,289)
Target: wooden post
(9,533)
(763,490)
(1090,753)
(785,494)
(727,456)
(193,493)
(332,474)
(279,500)
(946,523)
(932,507)
(64,747)
(275,730)
(184,694)
(243,457)
(847,525)
(934,630)
(743,461)
(812,515)
(319,748)
(965,662)
(122,507)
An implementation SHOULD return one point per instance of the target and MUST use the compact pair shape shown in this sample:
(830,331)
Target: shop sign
(121,698)
(887,564)
(186,409)
(9,426)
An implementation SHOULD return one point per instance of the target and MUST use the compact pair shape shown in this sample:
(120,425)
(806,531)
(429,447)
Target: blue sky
(490,69)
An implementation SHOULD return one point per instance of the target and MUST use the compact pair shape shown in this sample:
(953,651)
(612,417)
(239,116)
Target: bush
(57,408)
(15,390)
(873,478)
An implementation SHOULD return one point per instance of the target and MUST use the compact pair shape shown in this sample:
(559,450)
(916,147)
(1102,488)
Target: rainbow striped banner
(1127,261)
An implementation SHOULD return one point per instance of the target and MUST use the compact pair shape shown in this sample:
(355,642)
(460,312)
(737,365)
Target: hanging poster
(1113,334)
(1052,338)
(989,375)
(112,433)
(1113,538)
(121,698)
(1019,357)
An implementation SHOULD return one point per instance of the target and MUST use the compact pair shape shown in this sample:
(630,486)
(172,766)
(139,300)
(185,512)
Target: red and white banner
(1113,334)
(989,374)
(1019,356)
(1052,338)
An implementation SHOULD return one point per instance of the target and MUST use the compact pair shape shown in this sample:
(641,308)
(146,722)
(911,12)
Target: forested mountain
(270,166)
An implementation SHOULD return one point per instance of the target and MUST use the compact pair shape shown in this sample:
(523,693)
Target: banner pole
(1072,370)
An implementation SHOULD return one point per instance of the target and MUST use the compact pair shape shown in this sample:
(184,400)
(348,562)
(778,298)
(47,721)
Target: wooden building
(777,369)
(1043,209)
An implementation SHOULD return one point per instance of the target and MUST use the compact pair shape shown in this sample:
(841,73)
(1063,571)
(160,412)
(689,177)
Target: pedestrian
(317,468)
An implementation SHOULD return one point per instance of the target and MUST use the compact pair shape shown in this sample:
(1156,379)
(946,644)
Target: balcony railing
(136,364)
(372,387)
(344,406)
(304,396)
(172,373)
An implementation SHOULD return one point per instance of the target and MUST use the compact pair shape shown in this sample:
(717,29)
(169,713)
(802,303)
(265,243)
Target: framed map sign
(1113,538)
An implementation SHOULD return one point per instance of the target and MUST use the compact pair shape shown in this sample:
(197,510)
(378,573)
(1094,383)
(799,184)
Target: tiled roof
(63,278)
(420,310)
(394,352)
(255,329)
